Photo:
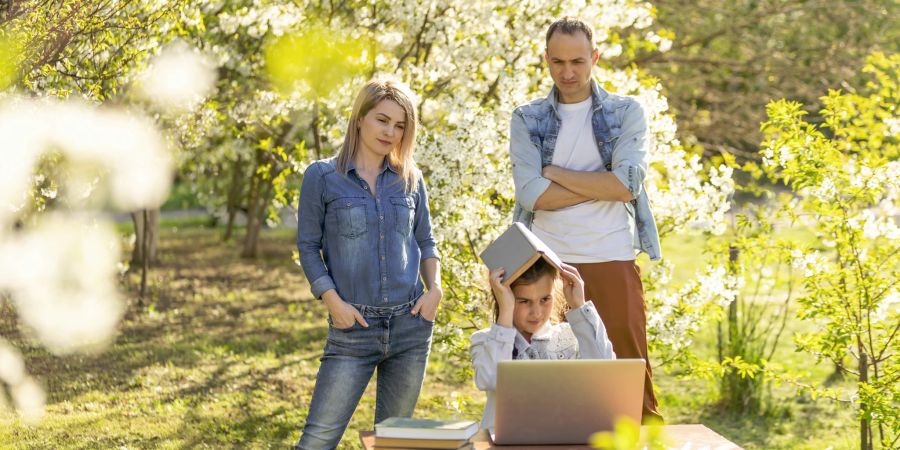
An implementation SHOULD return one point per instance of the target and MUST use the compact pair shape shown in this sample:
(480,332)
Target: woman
(364,237)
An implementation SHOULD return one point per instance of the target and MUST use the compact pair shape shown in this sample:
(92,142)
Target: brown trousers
(615,288)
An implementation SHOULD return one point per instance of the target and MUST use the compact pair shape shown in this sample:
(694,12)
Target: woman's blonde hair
(374,92)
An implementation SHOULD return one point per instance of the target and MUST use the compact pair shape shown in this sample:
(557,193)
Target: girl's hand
(506,300)
(573,286)
(343,315)
(428,303)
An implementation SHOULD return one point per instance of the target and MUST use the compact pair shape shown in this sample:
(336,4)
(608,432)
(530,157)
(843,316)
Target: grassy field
(225,354)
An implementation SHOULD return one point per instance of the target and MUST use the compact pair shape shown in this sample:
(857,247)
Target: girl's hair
(540,269)
(374,92)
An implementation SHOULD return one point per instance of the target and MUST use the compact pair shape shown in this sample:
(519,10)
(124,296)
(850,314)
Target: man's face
(570,58)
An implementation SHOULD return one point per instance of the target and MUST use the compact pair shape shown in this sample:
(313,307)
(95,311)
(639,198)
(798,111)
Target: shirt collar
(598,95)
(543,334)
(351,166)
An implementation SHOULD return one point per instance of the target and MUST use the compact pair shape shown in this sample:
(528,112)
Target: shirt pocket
(350,213)
(404,214)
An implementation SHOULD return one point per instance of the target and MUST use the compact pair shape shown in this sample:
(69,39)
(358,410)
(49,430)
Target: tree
(727,59)
(847,173)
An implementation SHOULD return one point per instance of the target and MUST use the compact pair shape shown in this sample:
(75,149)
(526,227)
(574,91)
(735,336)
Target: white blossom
(179,77)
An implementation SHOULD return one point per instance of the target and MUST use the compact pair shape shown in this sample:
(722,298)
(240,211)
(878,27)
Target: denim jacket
(368,248)
(620,129)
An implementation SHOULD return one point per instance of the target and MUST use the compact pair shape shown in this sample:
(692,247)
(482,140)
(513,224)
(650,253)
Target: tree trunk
(253,209)
(234,197)
(865,436)
(145,253)
(152,233)
(317,139)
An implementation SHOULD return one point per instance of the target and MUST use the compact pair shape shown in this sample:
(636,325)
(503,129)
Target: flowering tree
(68,163)
(471,64)
(847,172)
(463,150)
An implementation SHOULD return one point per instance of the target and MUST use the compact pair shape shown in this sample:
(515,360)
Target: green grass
(790,420)
(225,352)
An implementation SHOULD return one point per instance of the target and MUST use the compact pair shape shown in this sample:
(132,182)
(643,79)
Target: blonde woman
(366,247)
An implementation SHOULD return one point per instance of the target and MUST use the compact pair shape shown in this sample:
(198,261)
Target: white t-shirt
(593,231)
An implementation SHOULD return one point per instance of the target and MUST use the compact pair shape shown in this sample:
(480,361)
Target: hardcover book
(516,250)
(449,444)
(407,428)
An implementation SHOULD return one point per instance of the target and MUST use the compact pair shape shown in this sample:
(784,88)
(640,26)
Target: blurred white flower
(62,277)
(60,270)
(129,148)
(29,398)
(179,77)
(27,395)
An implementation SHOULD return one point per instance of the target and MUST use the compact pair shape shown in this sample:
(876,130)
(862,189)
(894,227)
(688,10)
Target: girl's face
(381,129)
(534,306)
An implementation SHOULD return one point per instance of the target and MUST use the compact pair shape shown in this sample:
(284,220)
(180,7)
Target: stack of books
(405,433)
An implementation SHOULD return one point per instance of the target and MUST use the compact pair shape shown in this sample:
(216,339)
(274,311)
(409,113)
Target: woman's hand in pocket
(343,315)
(428,303)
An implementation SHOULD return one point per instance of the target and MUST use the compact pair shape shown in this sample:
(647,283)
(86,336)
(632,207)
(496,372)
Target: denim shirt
(620,129)
(366,247)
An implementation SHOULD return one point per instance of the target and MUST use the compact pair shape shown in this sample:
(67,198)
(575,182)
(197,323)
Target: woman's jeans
(396,342)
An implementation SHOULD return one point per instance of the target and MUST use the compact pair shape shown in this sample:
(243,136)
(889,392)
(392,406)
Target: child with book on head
(525,326)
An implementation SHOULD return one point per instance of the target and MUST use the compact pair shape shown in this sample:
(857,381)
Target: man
(579,157)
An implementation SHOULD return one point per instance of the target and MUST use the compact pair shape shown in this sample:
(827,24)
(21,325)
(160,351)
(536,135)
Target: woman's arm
(311,230)
(430,264)
(429,302)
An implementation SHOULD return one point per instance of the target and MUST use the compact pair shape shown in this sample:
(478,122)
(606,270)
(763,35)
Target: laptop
(544,402)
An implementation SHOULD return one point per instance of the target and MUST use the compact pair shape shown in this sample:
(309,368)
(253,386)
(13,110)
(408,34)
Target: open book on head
(516,250)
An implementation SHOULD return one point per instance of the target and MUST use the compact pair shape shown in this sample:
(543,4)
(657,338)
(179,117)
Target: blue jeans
(396,343)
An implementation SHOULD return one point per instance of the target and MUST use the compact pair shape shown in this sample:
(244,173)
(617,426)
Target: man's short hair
(570,25)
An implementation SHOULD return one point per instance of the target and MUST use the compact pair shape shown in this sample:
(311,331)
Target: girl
(523,328)
(364,237)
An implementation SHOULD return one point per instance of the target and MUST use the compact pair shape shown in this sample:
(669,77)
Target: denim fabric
(396,344)
(620,129)
(366,247)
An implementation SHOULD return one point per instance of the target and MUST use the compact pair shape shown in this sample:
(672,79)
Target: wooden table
(681,437)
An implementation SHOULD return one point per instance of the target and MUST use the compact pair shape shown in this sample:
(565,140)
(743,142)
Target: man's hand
(550,172)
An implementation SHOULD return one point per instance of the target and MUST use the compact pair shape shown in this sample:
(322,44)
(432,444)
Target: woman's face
(381,129)
(534,305)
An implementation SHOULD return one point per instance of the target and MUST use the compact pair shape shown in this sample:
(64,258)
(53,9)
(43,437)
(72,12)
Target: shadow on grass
(225,349)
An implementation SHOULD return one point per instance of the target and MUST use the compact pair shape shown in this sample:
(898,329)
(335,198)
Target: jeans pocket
(404,214)
(331,325)
(351,216)
(421,317)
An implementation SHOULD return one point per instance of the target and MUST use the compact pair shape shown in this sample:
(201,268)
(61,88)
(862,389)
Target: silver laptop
(564,402)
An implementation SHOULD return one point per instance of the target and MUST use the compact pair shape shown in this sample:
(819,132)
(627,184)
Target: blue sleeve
(526,164)
(311,230)
(629,157)
(422,225)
